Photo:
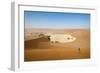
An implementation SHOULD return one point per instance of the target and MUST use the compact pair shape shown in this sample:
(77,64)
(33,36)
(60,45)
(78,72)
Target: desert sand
(40,48)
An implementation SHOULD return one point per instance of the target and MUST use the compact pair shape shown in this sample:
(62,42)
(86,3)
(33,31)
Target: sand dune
(40,48)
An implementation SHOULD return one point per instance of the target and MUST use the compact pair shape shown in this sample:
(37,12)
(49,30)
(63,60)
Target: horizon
(58,28)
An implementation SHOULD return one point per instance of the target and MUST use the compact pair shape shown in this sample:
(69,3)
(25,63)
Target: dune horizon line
(54,28)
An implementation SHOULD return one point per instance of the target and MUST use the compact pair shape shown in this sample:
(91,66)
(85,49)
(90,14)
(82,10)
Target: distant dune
(47,30)
(40,48)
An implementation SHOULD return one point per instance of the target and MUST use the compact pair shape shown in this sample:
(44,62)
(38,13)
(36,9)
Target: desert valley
(38,44)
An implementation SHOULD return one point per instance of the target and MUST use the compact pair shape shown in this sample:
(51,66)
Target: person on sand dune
(78,50)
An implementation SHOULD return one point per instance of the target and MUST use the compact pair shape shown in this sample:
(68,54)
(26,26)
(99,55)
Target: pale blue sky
(56,20)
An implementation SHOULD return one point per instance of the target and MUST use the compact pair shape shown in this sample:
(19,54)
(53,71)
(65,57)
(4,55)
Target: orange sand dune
(42,49)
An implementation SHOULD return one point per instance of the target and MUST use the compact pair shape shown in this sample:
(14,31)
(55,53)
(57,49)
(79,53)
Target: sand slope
(41,48)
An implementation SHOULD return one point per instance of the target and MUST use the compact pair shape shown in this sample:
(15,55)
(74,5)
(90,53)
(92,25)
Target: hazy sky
(37,19)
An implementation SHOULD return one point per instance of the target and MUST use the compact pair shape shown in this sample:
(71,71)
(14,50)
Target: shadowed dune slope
(34,43)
